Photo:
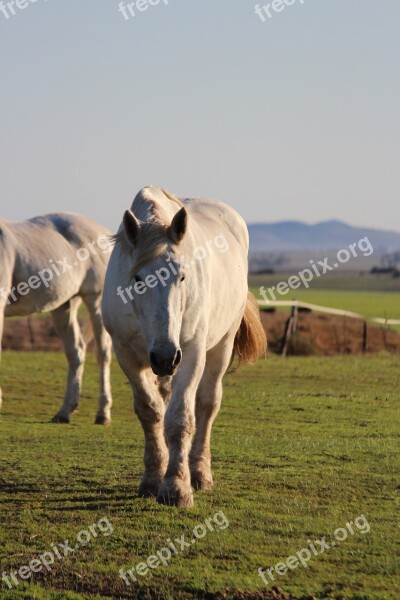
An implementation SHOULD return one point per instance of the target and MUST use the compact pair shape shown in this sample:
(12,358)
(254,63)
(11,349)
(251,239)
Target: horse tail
(250,341)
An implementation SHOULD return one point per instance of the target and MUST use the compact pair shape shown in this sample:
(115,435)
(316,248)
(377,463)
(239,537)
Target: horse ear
(178,226)
(131,226)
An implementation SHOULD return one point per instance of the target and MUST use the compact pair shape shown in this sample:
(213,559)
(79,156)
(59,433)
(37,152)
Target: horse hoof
(202,481)
(59,419)
(175,497)
(101,420)
(148,490)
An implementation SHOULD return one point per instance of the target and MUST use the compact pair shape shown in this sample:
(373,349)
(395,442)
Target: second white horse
(51,264)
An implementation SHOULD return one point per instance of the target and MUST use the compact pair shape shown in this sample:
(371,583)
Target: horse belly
(32,293)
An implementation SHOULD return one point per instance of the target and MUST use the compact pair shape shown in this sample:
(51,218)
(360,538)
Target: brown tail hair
(251,340)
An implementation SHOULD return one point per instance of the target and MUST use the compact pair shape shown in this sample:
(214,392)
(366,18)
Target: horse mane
(173,198)
(153,239)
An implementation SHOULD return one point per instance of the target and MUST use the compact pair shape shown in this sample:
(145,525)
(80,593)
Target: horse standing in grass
(177,310)
(51,264)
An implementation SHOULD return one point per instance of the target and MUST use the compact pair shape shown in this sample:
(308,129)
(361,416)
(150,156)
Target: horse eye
(183,278)
(137,279)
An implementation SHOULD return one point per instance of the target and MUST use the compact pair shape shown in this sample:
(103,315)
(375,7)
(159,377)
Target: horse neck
(4,228)
(14,238)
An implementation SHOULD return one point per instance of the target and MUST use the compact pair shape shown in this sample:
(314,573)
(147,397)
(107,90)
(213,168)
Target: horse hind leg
(104,356)
(66,323)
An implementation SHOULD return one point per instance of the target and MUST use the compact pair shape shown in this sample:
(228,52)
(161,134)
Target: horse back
(65,248)
(219,247)
(214,216)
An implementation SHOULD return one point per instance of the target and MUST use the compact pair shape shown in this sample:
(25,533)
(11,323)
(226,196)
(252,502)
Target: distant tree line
(266,263)
(390,264)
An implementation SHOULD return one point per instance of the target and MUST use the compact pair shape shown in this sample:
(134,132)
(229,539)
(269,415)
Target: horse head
(158,274)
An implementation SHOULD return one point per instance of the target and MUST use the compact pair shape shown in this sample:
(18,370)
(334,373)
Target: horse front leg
(208,403)
(2,309)
(176,489)
(150,409)
(149,406)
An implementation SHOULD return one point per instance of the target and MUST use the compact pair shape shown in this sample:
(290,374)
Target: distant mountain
(295,236)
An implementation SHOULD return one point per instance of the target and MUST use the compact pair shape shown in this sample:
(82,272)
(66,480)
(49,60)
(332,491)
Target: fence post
(31,334)
(365,334)
(288,330)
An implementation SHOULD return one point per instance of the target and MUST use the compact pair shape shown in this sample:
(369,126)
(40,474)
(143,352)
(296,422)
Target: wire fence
(295,305)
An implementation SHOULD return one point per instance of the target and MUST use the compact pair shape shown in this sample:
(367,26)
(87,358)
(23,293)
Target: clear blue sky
(294,118)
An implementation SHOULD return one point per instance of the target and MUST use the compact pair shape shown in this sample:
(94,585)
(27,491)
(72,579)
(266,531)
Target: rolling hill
(295,236)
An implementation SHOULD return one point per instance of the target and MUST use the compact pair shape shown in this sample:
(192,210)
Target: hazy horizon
(261,222)
(324,221)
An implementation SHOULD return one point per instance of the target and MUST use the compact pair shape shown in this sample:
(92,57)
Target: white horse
(50,264)
(177,307)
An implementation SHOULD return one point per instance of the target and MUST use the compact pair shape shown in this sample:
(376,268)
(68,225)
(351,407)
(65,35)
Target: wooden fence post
(31,334)
(365,336)
(290,324)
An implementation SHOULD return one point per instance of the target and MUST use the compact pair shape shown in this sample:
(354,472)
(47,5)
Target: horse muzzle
(165,360)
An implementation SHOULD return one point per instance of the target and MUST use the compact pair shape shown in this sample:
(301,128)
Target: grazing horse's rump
(177,306)
(49,264)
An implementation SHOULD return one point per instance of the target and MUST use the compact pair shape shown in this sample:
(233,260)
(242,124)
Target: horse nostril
(178,358)
(153,358)
(164,364)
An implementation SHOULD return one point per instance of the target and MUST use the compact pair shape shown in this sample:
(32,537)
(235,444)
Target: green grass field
(300,447)
(332,281)
(369,304)
(371,296)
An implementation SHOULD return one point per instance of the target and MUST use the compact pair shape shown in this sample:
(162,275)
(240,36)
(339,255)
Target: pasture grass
(300,447)
(369,304)
(369,295)
(350,282)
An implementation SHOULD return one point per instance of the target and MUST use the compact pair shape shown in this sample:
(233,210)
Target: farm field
(300,448)
(369,304)
(364,282)
(368,295)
